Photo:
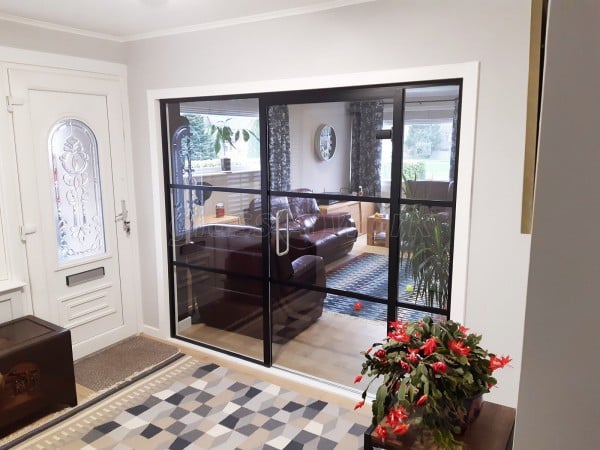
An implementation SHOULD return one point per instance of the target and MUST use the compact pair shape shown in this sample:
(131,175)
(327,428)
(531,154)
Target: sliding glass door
(333,215)
(213,156)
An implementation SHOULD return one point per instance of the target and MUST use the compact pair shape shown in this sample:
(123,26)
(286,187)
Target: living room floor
(327,350)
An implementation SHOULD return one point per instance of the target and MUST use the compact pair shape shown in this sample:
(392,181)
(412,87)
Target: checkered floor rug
(194,405)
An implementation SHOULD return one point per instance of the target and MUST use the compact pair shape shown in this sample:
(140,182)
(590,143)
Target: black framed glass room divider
(301,222)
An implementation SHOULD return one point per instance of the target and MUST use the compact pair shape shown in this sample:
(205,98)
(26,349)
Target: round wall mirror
(325,142)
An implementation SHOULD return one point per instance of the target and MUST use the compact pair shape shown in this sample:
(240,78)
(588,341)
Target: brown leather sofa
(330,236)
(231,297)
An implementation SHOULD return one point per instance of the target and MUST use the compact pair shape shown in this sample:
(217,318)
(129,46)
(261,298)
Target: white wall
(559,398)
(34,38)
(387,34)
(307,170)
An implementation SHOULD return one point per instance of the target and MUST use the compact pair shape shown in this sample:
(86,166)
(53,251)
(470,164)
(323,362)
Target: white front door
(70,150)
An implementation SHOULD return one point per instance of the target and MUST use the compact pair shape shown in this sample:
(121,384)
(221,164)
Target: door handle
(278,231)
(123,216)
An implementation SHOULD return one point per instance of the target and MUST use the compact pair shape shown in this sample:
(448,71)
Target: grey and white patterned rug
(194,405)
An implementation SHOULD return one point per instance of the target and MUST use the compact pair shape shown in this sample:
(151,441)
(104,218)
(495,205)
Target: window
(208,120)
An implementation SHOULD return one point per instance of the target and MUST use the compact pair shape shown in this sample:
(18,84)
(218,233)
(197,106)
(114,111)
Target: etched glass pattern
(77,192)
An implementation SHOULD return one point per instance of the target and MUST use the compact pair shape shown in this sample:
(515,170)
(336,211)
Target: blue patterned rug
(367,274)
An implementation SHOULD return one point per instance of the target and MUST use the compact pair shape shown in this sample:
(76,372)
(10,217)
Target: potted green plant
(432,373)
(425,241)
(225,137)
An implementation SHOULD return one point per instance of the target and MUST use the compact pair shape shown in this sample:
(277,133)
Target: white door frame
(14,247)
(468,71)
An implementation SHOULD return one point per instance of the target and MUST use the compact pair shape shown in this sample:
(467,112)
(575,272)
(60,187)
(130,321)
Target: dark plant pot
(472,407)
(226,164)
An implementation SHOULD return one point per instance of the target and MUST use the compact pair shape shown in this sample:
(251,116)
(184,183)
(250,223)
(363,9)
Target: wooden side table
(492,430)
(231,220)
(376,225)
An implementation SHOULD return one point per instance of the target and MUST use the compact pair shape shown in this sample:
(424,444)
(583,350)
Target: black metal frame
(395,91)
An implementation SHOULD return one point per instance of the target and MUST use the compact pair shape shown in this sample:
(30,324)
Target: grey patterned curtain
(365,170)
(453,143)
(279,147)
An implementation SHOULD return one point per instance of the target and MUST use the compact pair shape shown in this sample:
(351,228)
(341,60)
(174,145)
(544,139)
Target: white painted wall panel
(559,395)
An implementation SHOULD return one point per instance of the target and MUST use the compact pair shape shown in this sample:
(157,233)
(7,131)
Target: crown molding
(61,28)
(323,6)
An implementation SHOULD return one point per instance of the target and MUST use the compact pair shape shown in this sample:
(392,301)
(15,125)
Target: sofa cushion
(307,221)
(301,206)
(253,214)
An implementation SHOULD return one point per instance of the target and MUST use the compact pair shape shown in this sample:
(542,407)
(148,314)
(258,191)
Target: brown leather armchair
(233,300)
(330,236)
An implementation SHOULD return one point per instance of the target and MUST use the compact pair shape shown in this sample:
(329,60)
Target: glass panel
(353,161)
(429,150)
(222,293)
(215,142)
(414,315)
(330,348)
(219,293)
(196,207)
(77,192)
(425,235)
(364,272)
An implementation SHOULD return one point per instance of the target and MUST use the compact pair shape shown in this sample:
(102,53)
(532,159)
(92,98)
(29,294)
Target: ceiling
(126,20)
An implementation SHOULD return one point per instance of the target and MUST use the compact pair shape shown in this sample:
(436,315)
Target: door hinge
(11,102)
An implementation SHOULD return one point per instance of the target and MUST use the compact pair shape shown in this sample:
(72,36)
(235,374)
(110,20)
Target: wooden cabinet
(358,210)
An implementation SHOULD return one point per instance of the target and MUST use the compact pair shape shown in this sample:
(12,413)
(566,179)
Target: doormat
(192,404)
(120,361)
(367,274)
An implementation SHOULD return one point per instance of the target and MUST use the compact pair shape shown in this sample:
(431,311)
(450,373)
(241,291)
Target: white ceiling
(125,20)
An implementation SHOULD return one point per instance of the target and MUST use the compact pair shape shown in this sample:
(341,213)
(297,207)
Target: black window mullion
(395,198)
(266,231)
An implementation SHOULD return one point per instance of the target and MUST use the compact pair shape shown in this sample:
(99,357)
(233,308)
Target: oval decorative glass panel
(77,191)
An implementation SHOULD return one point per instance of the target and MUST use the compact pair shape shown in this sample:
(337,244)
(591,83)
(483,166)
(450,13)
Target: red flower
(429,346)
(358,378)
(398,325)
(396,416)
(381,432)
(413,355)
(405,366)
(459,348)
(439,367)
(422,400)
(401,429)
(399,336)
(380,353)
(499,363)
(463,330)
(359,405)
(357,306)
